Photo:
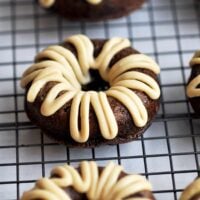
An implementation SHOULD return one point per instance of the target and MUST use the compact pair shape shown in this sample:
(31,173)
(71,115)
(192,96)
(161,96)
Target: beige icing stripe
(103,112)
(85,50)
(46,3)
(196,59)
(69,73)
(192,190)
(97,187)
(192,90)
(132,102)
(94,1)
(49,3)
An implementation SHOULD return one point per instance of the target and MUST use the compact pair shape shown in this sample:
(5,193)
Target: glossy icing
(106,185)
(69,72)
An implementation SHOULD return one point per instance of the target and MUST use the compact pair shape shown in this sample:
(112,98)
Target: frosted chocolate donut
(91,10)
(193,87)
(90,182)
(91,92)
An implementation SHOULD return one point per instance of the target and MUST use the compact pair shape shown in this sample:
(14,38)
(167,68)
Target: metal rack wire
(168,154)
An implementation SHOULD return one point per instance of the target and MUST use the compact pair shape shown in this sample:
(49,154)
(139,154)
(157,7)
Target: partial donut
(90,182)
(192,191)
(91,10)
(193,87)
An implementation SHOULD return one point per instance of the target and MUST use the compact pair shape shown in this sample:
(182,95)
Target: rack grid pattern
(168,153)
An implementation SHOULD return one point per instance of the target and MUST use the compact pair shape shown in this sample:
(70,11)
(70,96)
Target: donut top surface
(192,88)
(88,180)
(49,3)
(58,64)
(191,191)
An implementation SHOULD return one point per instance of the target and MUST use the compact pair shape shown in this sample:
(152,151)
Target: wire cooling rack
(168,154)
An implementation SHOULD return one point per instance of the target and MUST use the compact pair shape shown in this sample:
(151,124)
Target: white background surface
(168,31)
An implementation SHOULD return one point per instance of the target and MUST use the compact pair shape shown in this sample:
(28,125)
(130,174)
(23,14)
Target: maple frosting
(49,3)
(191,191)
(97,186)
(192,88)
(58,64)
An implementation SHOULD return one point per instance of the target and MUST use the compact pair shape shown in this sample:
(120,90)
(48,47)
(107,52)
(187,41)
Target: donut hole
(96,83)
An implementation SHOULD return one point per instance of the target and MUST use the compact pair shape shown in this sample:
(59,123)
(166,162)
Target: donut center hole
(96,83)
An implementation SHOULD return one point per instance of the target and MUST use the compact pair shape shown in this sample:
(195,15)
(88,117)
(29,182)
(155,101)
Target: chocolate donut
(91,10)
(90,182)
(91,92)
(192,192)
(193,87)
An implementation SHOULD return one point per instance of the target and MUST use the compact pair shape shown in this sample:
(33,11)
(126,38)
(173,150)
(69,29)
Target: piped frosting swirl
(97,186)
(60,65)
(192,88)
